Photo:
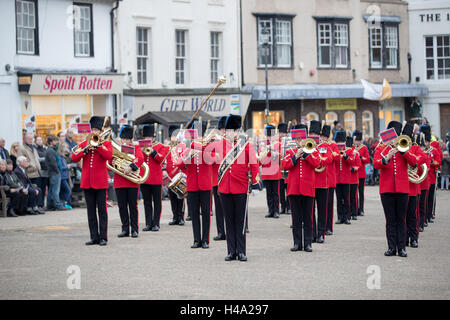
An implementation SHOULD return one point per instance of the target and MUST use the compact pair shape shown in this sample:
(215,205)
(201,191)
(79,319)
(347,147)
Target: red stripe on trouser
(160,210)
(326,211)
(106,209)
(349,200)
(312,214)
(279,195)
(357,200)
(137,209)
(210,208)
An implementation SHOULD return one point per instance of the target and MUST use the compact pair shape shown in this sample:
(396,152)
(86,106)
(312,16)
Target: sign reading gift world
(70,84)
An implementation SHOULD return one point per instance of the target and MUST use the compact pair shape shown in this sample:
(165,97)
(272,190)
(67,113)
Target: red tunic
(394,174)
(171,166)
(301,177)
(235,179)
(270,164)
(94,174)
(154,162)
(343,168)
(326,160)
(414,188)
(121,182)
(365,159)
(435,162)
(331,169)
(356,166)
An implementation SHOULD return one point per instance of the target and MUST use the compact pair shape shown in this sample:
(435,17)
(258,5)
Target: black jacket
(6,154)
(23,177)
(42,150)
(11,180)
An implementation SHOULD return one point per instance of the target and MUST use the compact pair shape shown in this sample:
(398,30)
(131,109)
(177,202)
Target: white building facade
(55,64)
(429,22)
(173,52)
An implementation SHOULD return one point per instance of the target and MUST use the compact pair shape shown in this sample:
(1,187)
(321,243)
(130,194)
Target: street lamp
(265,50)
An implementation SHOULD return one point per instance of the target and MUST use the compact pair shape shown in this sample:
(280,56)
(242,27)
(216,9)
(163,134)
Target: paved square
(36,252)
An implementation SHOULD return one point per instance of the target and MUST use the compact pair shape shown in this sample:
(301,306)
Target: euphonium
(414,177)
(403,143)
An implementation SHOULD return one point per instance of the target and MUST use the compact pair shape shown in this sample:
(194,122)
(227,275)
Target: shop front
(57,102)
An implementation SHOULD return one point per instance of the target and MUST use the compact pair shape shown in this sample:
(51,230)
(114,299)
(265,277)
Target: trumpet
(403,143)
(147,150)
(93,141)
(308,145)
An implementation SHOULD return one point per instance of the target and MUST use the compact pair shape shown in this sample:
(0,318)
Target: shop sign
(340,104)
(51,84)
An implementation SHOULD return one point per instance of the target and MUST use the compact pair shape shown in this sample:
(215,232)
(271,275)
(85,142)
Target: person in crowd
(32,190)
(54,175)
(65,191)
(13,191)
(4,154)
(41,150)
(14,153)
(29,151)
(71,143)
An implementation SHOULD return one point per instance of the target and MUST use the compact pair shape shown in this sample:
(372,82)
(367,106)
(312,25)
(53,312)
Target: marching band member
(198,170)
(354,179)
(127,191)
(424,185)
(220,219)
(363,153)
(435,163)
(177,148)
(238,160)
(301,190)
(270,172)
(343,177)
(282,132)
(331,177)
(152,188)
(394,189)
(94,181)
(321,184)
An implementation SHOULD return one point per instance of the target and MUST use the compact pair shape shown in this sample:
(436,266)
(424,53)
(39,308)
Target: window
(333,43)
(275,42)
(83,35)
(383,46)
(312,116)
(180,56)
(142,55)
(367,123)
(26,27)
(259,120)
(349,121)
(215,56)
(437,57)
(330,117)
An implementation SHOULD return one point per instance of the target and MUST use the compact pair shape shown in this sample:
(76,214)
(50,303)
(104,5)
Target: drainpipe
(409,67)
(113,69)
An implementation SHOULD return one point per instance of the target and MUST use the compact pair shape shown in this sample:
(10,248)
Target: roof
(175,117)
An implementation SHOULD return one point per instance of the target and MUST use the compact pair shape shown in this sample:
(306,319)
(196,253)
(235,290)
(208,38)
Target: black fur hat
(349,142)
(126,132)
(221,122)
(426,130)
(315,127)
(149,130)
(326,130)
(300,126)
(282,127)
(97,122)
(408,130)
(172,129)
(396,125)
(339,136)
(233,122)
(194,125)
(357,134)
(269,130)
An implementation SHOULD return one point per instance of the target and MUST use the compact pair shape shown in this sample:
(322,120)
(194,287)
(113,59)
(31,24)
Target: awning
(329,91)
(172,118)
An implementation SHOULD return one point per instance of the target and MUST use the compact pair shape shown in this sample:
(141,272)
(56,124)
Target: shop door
(445,119)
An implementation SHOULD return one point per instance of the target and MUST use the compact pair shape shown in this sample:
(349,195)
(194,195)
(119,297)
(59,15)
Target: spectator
(54,175)
(29,151)
(71,143)
(14,153)
(14,191)
(4,154)
(41,150)
(31,190)
(445,173)
(65,190)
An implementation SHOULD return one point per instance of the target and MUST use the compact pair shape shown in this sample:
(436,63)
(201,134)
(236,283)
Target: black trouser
(423,206)
(200,201)
(272,195)
(19,201)
(283,200)
(128,208)
(354,199)
(42,184)
(234,207)
(343,201)
(321,203)
(177,206)
(302,212)
(330,209)
(394,206)
(430,203)
(220,219)
(32,197)
(96,201)
(152,203)
(362,182)
(411,220)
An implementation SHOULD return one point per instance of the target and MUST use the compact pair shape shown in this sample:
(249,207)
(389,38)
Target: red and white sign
(70,84)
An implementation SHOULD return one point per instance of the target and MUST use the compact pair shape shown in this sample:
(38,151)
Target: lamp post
(265,47)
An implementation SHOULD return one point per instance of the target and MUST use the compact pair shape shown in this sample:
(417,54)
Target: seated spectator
(32,190)
(54,175)
(4,154)
(13,192)
(14,153)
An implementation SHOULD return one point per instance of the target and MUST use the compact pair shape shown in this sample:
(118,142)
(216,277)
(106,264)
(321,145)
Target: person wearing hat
(434,152)
(321,184)
(197,164)
(126,190)
(269,159)
(176,150)
(238,172)
(354,179)
(394,190)
(424,186)
(363,153)
(152,187)
(331,176)
(94,181)
(301,190)
(220,219)
(282,132)
(343,176)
